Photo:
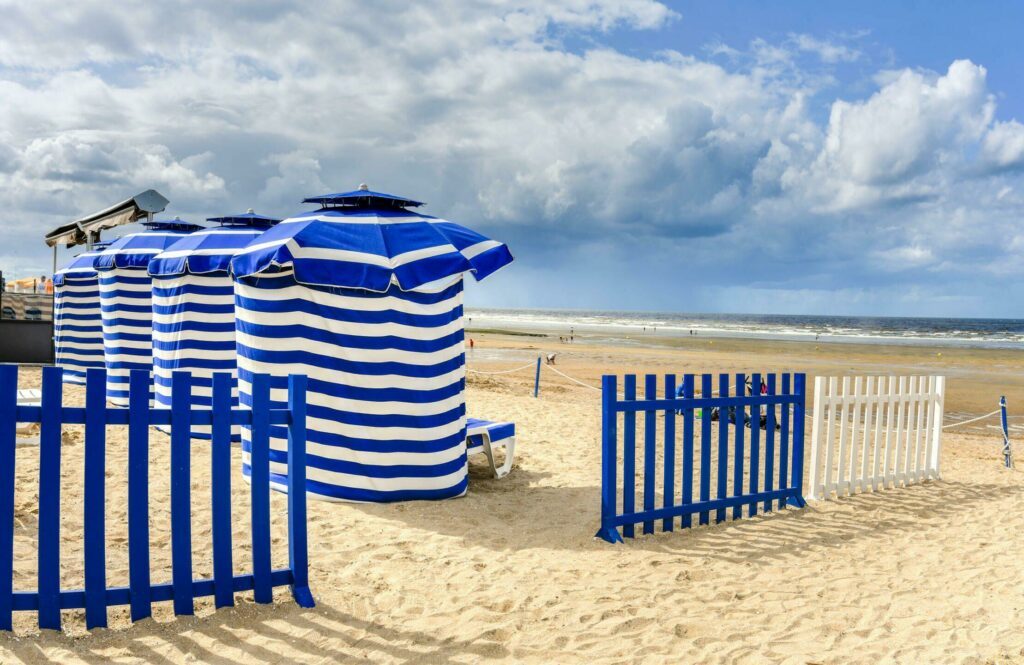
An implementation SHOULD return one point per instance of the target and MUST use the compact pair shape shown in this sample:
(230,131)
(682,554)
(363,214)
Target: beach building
(194,308)
(364,295)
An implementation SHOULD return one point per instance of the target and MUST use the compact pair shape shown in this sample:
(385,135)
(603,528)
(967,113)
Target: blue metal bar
(739,416)
(49,500)
(669,480)
(609,460)
(93,526)
(799,408)
(650,422)
(298,552)
(1007,454)
(755,442)
(705,449)
(702,403)
(769,445)
(8,436)
(723,447)
(687,448)
(181,493)
(259,461)
(138,494)
(784,442)
(220,490)
(702,506)
(629,456)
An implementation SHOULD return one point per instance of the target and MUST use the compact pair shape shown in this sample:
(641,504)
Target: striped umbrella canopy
(364,296)
(77,328)
(126,304)
(194,308)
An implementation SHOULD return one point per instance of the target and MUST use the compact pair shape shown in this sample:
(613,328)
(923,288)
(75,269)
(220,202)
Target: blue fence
(95,597)
(767,471)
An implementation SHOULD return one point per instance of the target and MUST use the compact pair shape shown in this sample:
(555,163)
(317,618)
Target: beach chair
(28,397)
(483,436)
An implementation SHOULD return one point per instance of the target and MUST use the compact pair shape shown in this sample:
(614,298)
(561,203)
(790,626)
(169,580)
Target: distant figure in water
(550,359)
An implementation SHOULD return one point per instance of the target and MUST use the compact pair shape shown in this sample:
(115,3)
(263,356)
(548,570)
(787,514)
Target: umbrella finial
(363,187)
(249,211)
(177,219)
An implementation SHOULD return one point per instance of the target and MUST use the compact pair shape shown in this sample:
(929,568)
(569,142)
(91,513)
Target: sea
(920,331)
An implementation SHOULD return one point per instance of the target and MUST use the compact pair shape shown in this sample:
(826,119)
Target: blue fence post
(49,499)
(629,457)
(181,492)
(687,497)
(650,422)
(739,425)
(138,495)
(93,525)
(259,479)
(723,447)
(1007,453)
(784,442)
(298,548)
(536,379)
(769,445)
(755,441)
(799,409)
(8,435)
(220,472)
(669,480)
(609,460)
(705,448)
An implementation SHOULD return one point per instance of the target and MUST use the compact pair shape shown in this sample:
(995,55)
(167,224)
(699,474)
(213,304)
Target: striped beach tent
(194,308)
(126,301)
(77,328)
(364,296)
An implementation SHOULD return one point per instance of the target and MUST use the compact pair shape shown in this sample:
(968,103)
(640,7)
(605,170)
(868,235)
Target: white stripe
(388,329)
(364,406)
(286,344)
(479,248)
(326,299)
(354,380)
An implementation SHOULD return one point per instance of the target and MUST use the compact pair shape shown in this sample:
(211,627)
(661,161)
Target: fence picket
(769,445)
(181,493)
(138,495)
(650,392)
(755,444)
(609,458)
(878,397)
(723,447)
(935,456)
(220,490)
(784,444)
(260,489)
(865,450)
(854,463)
(923,385)
(8,436)
(94,502)
(705,449)
(48,583)
(738,427)
(629,456)
(844,443)
(687,450)
(796,496)
(817,420)
(298,557)
(830,418)
(668,482)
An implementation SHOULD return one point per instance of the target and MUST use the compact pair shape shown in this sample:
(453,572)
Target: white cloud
(829,51)
(1003,147)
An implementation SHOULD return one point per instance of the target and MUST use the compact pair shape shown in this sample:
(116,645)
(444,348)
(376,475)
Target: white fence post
(818,408)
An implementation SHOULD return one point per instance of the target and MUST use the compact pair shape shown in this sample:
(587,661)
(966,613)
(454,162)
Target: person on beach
(471,343)
(550,358)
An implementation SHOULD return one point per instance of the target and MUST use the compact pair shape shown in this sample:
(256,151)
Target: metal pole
(1007,453)
(536,379)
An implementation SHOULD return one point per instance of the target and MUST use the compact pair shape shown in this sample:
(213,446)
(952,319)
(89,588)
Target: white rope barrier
(972,420)
(505,371)
(585,385)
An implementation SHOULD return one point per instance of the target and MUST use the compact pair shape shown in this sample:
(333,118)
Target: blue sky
(819,158)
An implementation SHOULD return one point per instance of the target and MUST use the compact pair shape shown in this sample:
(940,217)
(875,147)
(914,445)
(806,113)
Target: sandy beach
(512,573)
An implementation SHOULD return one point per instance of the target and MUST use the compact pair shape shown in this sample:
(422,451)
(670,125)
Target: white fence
(886,432)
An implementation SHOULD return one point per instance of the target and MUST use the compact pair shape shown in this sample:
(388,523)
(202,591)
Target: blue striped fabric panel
(77,327)
(194,314)
(386,411)
(126,305)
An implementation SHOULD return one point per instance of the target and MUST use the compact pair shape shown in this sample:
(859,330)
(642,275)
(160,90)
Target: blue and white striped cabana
(77,328)
(194,308)
(126,301)
(364,296)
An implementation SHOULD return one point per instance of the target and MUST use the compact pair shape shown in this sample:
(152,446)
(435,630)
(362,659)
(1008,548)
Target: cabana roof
(130,210)
(363,197)
(210,250)
(371,245)
(135,250)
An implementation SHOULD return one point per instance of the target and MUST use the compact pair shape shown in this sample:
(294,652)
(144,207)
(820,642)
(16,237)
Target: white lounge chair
(29,397)
(483,436)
